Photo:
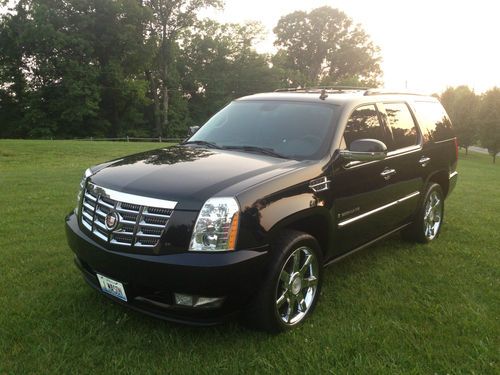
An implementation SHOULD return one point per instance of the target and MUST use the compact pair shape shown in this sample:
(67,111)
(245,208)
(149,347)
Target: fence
(132,139)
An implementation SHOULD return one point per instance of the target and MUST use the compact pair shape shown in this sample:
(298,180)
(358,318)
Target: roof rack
(392,92)
(324,90)
(321,88)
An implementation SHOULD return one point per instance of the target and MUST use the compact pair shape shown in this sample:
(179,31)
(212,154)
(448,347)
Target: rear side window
(402,126)
(363,123)
(434,122)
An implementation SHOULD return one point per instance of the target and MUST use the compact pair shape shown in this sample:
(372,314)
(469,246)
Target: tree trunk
(164,124)
(156,103)
(466,150)
(165,98)
(163,70)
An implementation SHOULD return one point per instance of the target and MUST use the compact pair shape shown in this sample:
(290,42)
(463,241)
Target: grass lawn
(392,308)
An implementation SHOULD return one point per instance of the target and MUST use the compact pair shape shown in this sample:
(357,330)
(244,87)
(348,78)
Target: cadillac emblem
(112,220)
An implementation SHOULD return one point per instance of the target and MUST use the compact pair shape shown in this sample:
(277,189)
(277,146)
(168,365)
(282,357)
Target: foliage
(489,128)
(170,18)
(461,103)
(218,64)
(70,67)
(325,47)
(79,68)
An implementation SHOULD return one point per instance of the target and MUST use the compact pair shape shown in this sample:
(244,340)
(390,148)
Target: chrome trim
(433,215)
(362,156)
(132,198)
(404,151)
(139,225)
(378,209)
(453,175)
(88,172)
(297,286)
(320,184)
(424,160)
(388,173)
(365,245)
(90,197)
(390,155)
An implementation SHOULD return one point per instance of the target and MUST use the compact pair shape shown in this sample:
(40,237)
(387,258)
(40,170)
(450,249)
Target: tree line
(476,118)
(151,68)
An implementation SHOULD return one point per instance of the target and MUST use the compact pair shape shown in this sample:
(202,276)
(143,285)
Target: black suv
(245,214)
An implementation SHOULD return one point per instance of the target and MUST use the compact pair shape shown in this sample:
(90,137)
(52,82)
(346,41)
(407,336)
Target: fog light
(197,301)
(183,299)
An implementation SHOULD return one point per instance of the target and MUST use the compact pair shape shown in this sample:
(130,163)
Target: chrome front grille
(141,220)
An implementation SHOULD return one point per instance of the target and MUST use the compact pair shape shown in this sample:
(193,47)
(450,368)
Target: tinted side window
(363,123)
(434,122)
(401,124)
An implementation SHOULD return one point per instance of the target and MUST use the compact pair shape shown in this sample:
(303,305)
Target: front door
(361,192)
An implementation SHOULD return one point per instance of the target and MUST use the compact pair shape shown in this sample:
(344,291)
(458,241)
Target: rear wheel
(291,290)
(429,219)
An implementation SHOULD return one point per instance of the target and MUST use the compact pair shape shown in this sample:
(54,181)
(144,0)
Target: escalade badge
(112,220)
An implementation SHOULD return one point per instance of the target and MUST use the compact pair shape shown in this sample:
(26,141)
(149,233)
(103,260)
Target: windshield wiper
(260,150)
(202,143)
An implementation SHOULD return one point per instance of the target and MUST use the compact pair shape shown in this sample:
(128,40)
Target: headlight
(216,228)
(86,175)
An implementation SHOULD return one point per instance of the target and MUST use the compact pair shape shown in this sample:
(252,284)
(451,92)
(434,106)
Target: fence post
(91,138)
(159,138)
(127,139)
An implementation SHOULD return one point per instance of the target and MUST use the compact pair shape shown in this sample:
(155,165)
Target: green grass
(393,308)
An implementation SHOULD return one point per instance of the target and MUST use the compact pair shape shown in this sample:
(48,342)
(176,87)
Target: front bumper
(151,280)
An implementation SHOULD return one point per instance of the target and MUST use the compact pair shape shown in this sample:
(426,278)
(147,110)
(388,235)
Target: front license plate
(112,287)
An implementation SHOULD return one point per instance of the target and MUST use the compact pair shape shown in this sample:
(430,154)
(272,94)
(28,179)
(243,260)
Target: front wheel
(429,218)
(291,290)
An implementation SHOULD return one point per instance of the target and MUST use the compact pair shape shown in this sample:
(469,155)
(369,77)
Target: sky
(426,45)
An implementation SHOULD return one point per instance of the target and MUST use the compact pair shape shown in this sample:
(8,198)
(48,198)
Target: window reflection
(401,124)
(433,121)
(363,123)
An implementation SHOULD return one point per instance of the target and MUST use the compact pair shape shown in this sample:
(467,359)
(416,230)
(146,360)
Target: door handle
(424,160)
(388,173)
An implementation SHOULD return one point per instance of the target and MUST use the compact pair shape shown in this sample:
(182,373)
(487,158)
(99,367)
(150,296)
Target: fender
(316,221)
(441,177)
(296,207)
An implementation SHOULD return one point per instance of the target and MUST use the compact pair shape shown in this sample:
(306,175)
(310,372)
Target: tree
(71,68)
(325,47)
(489,126)
(219,64)
(462,105)
(170,18)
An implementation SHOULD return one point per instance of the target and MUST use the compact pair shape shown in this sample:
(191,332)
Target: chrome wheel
(297,286)
(433,215)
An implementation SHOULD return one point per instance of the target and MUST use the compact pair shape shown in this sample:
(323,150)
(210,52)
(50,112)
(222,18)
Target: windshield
(295,130)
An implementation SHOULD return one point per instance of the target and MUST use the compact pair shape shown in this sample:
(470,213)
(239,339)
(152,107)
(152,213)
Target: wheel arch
(442,178)
(316,222)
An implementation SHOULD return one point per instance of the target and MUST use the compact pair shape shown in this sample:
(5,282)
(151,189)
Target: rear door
(404,164)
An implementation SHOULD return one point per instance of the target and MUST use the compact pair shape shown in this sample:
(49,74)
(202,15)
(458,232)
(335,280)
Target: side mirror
(365,150)
(192,130)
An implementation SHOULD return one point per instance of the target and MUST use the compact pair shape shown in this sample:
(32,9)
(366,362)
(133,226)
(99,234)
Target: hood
(189,175)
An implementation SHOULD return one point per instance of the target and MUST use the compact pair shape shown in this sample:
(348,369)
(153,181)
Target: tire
(429,218)
(291,289)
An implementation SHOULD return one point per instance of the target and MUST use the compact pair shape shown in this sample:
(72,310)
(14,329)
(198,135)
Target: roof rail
(320,88)
(392,92)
